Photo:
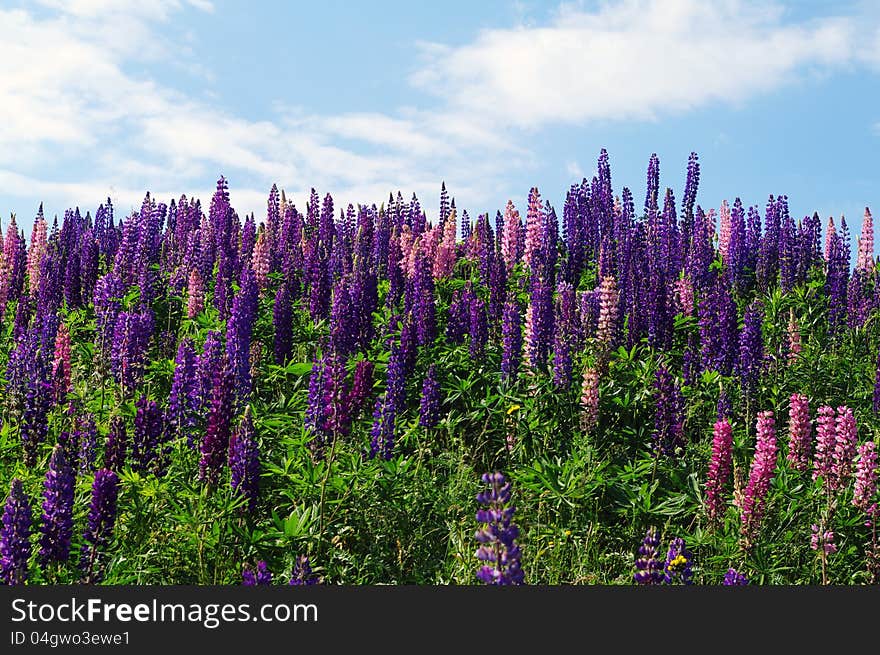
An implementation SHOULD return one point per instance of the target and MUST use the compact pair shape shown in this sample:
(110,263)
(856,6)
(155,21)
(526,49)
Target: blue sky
(117,97)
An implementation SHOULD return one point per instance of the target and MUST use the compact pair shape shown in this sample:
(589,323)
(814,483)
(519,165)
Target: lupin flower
(760,476)
(145,444)
(751,350)
(195,294)
(822,539)
(845,445)
(244,460)
(866,479)
(865,258)
(668,432)
(589,399)
(261,577)
(181,416)
(429,406)
(61,364)
(56,526)
(800,436)
(100,524)
(215,443)
(684,292)
(361,386)
(498,548)
(282,319)
(131,337)
(649,564)
(826,439)
(720,467)
(678,565)
(117,443)
(534,229)
(734,578)
(302,573)
(15,533)
(511,236)
(539,324)
(262,259)
(608,302)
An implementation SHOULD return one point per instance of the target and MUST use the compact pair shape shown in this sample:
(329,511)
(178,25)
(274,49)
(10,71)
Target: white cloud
(67,97)
(77,123)
(635,59)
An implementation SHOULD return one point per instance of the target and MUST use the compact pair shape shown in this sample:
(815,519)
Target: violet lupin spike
(56,526)
(215,444)
(649,564)
(15,534)
(244,460)
(429,407)
(498,548)
(100,524)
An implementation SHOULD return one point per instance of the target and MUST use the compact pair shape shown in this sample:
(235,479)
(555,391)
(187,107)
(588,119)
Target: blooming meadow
(613,394)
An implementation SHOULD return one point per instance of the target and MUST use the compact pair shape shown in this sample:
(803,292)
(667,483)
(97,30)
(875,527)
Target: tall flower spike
(101,521)
(649,564)
(845,446)
(15,535)
(719,470)
(61,364)
(56,527)
(865,259)
(244,460)
(826,438)
(760,476)
(799,432)
(589,399)
(215,443)
(498,548)
(864,494)
(429,407)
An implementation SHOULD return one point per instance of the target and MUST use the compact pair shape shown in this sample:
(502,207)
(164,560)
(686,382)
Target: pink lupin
(799,432)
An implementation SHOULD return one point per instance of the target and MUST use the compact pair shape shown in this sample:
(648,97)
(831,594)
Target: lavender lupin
(429,407)
(649,564)
(15,535)
(100,524)
(302,573)
(56,526)
(498,548)
(244,460)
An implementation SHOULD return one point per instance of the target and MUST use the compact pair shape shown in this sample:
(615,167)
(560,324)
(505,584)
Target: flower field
(610,393)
